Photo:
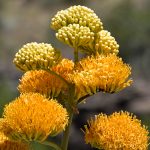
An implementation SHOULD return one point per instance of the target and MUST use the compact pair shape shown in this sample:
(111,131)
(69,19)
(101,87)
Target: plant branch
(76,57)
(65,138)
(51,144)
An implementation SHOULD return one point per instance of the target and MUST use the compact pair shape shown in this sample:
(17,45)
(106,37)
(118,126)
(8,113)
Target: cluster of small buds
(77,15)
(79,27)
(105,43)
(36,56)
(75,35)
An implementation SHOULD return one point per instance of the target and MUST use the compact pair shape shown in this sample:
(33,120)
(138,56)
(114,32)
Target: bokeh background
(23,21)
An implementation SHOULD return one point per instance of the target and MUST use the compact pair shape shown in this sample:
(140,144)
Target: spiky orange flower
(40,81)
(64,67)
(85,83)
(7,144)
(44,82)
(101,73)
(119,131)
(33,117)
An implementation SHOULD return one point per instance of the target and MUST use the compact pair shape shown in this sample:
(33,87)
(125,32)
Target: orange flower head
(33,117)
(119,131)
(45,83)
(105,73)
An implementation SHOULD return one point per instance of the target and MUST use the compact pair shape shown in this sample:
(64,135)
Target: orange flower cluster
(33,117)
(100,73)
(119,131)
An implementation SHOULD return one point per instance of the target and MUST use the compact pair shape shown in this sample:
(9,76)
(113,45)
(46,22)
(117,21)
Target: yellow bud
(33,56)
(105,43)
(75,35)
(77,15)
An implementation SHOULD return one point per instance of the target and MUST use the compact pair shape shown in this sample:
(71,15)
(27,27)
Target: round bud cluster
(36,56)
(79,15)
(105,43)
(75,35)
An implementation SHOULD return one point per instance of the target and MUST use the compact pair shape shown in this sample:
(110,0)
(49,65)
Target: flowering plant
(52,87)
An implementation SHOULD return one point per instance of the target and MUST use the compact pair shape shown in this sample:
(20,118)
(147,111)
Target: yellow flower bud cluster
(77,15)
(45,83)
(105,73)
(74,35)
(36,56)
(119,131)
(32,117)
(7,144)
(79,27)
(105,43)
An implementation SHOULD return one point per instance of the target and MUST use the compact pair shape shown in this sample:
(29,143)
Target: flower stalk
(51,144)
(65,138)
(76,57)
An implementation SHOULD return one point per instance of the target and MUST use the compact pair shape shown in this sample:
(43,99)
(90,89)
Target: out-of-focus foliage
(128,21)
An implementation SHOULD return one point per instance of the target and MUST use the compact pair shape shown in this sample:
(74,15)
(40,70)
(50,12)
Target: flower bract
(7,144)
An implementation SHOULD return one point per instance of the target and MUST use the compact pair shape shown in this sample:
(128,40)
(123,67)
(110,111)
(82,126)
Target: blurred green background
(23,21)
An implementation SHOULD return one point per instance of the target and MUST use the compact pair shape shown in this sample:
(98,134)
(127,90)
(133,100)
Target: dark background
(23,21)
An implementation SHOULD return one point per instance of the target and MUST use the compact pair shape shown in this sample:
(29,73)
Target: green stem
(65,138)
(51,144)
(72,104)
(76,57)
